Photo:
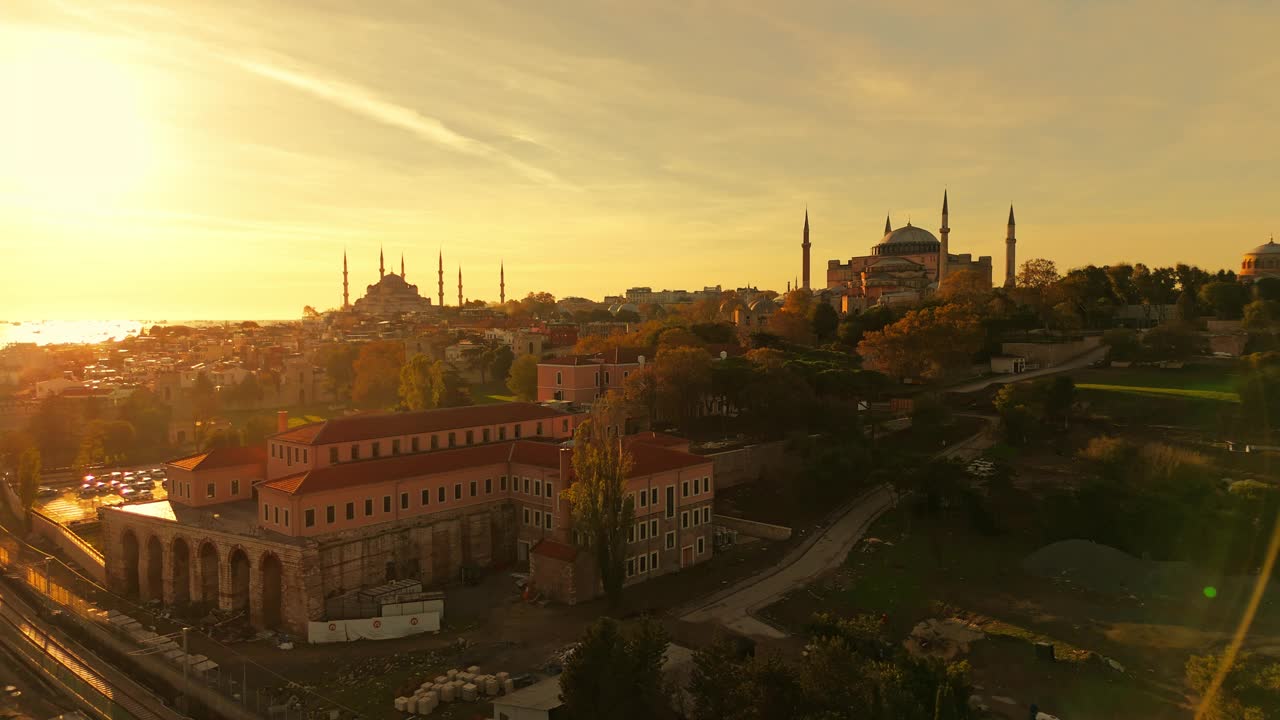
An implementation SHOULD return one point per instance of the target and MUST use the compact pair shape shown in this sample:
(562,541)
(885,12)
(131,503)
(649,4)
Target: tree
(824,320)
(1225,299)
(247,393)
(29,466)
(1262,316)
(965,286)
(204,397)
(602,512)
(1267,288)
(929,417)
(1247,690)
(257,428)
(616,675)
(1038,274)
(338,362)
(522,379)
(856,325)
(640,393)
(1171,342)
(228,437)
(1185,308)
(500,362)
(1059,397)
(377,374)
(683,379)
(422,383)
(716,681)
(925,343)
(1123,344)
(149,417)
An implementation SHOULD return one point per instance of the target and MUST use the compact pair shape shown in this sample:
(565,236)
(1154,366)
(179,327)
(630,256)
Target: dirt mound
(946,639)
(1097,567)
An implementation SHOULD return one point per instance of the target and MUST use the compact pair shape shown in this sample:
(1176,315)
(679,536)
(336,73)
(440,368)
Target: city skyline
(215,161)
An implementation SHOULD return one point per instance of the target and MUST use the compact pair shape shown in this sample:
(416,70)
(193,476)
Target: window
(274,447)
(559,379)
(473,488)
(404,501)
(671,501)
(706,514)
(684,519)
(547,487)
(644,498)
(596,381)
(386,503)
(706,484)
(426,496)
(697,487)
(538,429)
(644,563)
(440,495)
(502,483)
(235,486)
(526,516)
(488,486)
(333,456)
(453,440)
(537,518)
(502,432)
(471,434)
(702,545)
(526,486)
(329,514)
(643,533)
(413,444)
(457,491)
(671,540)
(309,518)
(564,425)
(626,374)
(537,487)
(286,518)
(484,435)
(631,533)
(684,489)
(435,443)
(304,456)
(351,511)
(355,452)
(266,512)
(653,561)
(377,448)
(631,567)
(395,446)
(653,496)
(547,521)
(653,528)
(606,377)
(208,490)
(368,507)
(696,515)
(517,430)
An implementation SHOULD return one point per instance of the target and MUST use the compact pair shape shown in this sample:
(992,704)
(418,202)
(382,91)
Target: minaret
(381,269)
(502,283)
(943,231)
(1010,263)
(441,291)
(459,286)
(804,267)
(346,299)
(887,227)
(401,266)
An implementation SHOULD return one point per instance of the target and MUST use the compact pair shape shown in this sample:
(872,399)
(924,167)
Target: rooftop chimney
(566,466)
(282,420)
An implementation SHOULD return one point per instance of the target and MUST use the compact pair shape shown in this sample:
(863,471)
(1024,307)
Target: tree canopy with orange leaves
(925,343)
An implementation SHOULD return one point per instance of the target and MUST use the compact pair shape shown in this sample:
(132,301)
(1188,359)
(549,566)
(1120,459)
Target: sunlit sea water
(56,332)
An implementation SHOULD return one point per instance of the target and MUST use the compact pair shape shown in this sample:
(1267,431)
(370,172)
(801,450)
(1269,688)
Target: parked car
(87,490)
(45,491)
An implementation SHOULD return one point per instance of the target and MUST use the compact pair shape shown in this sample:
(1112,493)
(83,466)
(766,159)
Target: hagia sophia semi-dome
(1262,261)
(907,240)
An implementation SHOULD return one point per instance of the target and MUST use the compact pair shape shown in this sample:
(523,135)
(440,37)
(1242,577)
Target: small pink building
(583,378)
(220,475)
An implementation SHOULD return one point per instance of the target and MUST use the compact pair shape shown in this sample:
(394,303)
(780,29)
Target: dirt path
(1075,364)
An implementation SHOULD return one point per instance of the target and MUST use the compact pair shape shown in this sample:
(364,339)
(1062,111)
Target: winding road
(822,552)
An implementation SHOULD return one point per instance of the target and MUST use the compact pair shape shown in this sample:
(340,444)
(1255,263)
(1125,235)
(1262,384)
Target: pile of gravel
(1101,568)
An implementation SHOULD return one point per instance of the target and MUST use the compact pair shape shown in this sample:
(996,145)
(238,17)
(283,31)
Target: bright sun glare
(74,133)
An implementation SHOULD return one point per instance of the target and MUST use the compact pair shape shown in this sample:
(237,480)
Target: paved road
(1075,364)
(822,553)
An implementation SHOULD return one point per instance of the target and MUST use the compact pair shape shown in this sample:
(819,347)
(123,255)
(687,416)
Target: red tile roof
(555,550)
(646,460)
(222,457)
(379,425)
(658,439)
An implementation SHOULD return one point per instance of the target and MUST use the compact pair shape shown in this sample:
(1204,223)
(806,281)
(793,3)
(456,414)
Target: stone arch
(129,552)
(272,591)
(209,569)
(155,569)
(180,560)
(238,562)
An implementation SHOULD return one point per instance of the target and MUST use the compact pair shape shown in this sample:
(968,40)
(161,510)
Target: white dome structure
(1262,261)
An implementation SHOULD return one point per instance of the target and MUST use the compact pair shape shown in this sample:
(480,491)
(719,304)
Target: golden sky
(183,159)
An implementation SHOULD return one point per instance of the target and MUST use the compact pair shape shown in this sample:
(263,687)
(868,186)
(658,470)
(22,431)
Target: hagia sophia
(908,263)
(1261,262)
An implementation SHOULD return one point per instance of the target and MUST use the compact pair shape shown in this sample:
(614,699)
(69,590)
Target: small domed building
(1262,261)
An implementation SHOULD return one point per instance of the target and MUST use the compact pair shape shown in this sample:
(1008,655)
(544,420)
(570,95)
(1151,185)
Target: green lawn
(1205,381)
(494,391)
(1220,396)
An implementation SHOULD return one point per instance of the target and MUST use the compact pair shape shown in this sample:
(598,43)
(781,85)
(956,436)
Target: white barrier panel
(413,608)
(327,632)
(381,628)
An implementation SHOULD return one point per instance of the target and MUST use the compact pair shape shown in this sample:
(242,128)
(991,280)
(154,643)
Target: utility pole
(186,670)
(47,558)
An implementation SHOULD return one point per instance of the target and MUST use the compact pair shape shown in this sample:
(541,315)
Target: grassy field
(494,391)
(920,570)
(1199,397)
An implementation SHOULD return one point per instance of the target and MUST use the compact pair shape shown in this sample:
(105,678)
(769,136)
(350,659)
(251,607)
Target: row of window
(424,498)
(641,564)
(705,486)
(539,519)
(642,531)
(451,440)
(596,380)
(270,511)
(289,453)
(695,517)
(183,489)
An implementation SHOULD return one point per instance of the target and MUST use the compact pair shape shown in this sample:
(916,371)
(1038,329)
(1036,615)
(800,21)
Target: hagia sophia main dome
(1262,261)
